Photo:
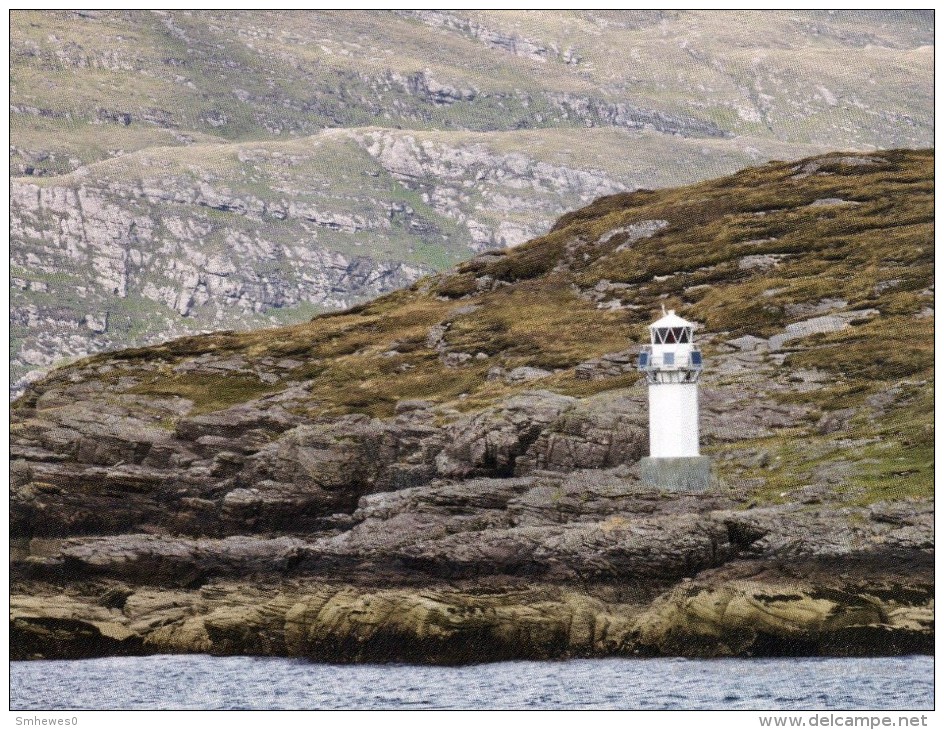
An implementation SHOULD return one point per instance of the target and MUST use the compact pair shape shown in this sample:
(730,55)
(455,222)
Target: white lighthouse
(672,365)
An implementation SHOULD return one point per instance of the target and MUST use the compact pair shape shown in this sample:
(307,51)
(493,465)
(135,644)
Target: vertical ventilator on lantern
(672,365)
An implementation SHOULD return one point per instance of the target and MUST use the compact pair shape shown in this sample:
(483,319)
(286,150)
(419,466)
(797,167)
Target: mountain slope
(305,161)
(174,240)
(156,77)
(459,458)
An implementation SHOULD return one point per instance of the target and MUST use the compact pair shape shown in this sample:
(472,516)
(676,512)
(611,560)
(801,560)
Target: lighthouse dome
(671,319)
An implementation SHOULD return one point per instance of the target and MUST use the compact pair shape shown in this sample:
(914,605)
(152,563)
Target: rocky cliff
(177,172)
(449,473)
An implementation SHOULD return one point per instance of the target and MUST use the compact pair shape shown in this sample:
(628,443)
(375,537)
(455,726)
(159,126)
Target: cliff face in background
(449,473)
(180,171)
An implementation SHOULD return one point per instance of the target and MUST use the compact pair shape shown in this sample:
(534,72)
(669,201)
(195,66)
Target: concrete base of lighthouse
(676,473)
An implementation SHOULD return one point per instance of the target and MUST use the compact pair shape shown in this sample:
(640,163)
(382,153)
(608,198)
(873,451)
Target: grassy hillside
(769,253)
(287,163)
(173,78)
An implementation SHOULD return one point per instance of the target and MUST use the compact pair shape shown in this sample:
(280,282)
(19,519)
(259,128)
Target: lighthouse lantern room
(673,365)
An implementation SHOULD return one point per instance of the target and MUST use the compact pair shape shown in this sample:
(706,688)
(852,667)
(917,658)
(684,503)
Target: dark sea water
(204,682)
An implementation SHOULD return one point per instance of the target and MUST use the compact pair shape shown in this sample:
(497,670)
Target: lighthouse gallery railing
(690,360)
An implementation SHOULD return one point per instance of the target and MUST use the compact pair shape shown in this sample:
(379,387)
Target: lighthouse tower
(672,365)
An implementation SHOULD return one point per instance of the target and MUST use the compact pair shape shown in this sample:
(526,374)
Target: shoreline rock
(449,625)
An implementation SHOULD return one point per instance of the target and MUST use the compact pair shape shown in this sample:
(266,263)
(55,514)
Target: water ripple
(204,682)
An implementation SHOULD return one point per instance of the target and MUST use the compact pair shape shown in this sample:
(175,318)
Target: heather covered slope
(458,459)
(755,255)
(181,171)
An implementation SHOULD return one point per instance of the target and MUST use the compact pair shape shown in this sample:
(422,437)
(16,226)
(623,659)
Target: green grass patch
(209,392)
